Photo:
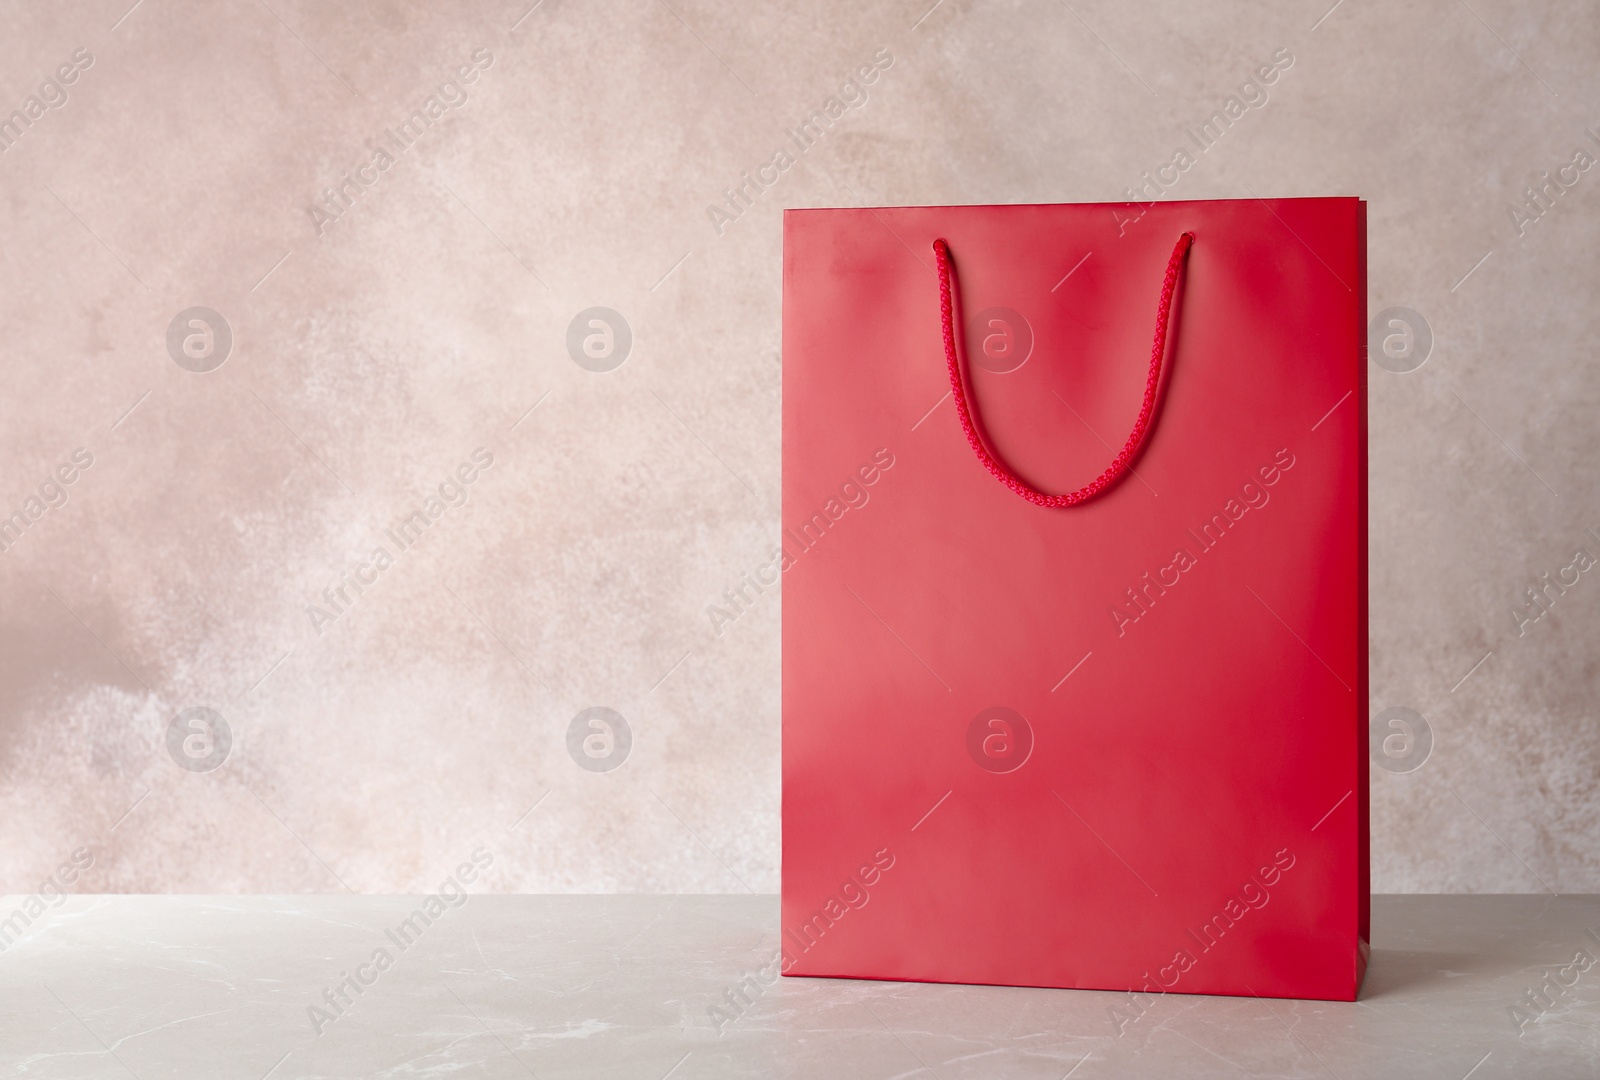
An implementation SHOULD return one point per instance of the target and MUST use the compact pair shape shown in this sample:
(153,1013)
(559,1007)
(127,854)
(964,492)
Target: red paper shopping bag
(1074,641)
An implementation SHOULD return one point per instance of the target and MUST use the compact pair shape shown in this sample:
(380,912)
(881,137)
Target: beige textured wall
(372,355)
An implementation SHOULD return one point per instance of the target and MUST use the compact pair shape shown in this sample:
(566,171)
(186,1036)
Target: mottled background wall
(378,739)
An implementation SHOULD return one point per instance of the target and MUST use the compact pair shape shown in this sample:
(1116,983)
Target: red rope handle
(1141,427)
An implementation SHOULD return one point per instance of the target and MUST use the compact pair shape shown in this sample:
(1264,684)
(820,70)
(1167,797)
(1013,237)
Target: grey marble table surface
(649,987)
